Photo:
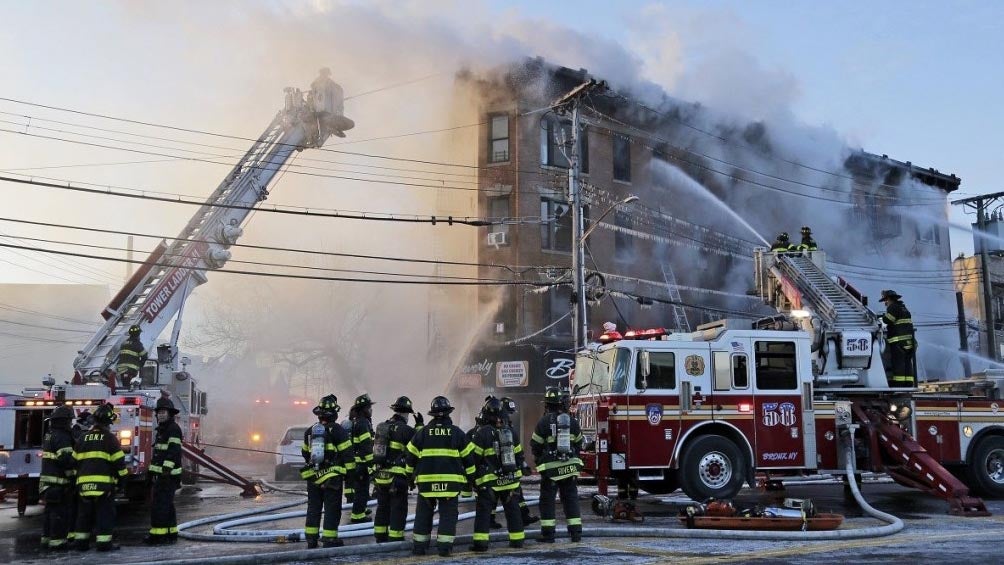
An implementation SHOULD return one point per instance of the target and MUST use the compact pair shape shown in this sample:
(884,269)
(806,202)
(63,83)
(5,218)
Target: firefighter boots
(381,538)
(516,543)
(444,549)
(311,543)
(479,547)
(333,543)
(547,534)
(419,548)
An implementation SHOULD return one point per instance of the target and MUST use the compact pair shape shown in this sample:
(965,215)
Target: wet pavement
(930,534)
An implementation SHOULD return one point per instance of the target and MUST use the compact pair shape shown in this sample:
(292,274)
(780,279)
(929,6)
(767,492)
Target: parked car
(288,459)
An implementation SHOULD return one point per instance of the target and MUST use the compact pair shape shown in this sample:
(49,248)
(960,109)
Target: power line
(284,275)
(286,209)
(3,321)
(514,268)
(22,310)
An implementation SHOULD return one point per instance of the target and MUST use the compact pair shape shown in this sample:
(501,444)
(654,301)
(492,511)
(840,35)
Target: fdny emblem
(654,413)
(779,414)
(694,365)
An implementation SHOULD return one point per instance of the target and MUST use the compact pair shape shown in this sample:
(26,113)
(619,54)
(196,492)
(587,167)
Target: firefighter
(132,356)
(327,452)
(55,482)
(900,339)
(100,465)
(362,445)
(440,462)
(808,244)
(499,459)
(782,243)
(508,410)
(556,442)
(165,474)
(470,489)
(391,482)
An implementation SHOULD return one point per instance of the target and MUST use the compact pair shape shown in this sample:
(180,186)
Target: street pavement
(931,535)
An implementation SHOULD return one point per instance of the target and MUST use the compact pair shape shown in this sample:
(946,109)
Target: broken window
(498,138)
(555,142)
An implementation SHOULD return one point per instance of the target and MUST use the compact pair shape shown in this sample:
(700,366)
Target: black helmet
(552,396)
(402,404)
(105,414)
(327,406)
(84,416)
(509,405)
(889,295)
(166,404)
(783,236)
(362,401)
(134,330)
(806,230)
(61,413)
(440,406)
(492,410)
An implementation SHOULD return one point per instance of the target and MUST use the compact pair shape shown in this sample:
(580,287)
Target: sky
(914,80)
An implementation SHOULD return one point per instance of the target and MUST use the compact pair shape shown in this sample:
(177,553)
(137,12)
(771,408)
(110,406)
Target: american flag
(737,347)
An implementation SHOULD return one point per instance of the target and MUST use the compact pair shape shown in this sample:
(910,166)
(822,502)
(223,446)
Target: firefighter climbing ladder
(823,296)
(679,313)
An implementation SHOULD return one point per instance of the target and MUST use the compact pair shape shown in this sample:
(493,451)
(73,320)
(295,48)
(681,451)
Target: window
(775,365)
(604,372)
(498,138)
(929,234)
(662,371)
(723,370)
(498,207)
(556,235)
(740,373)
(555,140)
(558,304)
(623,242)
(622,158)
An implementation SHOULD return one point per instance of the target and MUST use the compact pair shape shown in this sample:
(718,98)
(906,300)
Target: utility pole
(569,103)
(963,335)
(980,204)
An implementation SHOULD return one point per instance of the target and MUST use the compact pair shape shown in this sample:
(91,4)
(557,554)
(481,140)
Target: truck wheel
(712,467)
(986,468)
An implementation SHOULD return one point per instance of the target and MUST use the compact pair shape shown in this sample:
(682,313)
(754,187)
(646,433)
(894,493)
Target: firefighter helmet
(889,295)
(61,413)
(492,409)
(402,404)
(440,406)
(166,404)
(105,414)
(134,330)
(783,236)
(509,405)
(362,401)
(552,396)
(327,406)
(806,230)
(83,417)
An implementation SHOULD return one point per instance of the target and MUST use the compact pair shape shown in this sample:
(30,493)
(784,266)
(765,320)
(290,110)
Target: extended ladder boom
(159,288)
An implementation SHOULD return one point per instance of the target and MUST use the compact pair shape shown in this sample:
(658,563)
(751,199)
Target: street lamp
(580,271)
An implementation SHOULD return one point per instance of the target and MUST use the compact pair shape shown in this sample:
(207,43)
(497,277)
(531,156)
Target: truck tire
(712,467)
(986,468)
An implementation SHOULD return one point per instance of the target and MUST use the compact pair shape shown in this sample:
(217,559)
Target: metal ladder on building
(679,312)
(825,297)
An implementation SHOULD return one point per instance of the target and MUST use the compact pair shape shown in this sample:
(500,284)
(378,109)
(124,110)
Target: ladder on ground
(911,465)
(822,295)
(679,312)
(221,473)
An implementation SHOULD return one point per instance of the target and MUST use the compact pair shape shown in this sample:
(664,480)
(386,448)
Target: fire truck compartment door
(778,404)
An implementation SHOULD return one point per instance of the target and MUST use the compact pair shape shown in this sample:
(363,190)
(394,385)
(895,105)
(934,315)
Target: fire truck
(751,402)
(154,296)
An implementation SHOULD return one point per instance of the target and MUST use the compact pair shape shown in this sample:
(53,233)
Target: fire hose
(892,526)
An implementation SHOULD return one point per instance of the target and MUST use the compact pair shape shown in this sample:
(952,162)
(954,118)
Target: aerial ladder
(158,290)
(847,364)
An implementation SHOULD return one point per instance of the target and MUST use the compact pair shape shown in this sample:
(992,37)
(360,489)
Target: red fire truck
(738,401)
(153,297)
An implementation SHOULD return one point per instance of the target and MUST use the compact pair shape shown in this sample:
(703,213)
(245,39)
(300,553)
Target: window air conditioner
(497,238)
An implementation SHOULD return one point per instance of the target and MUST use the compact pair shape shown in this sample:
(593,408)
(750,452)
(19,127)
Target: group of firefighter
(82,466)
(443,462)
(901,341)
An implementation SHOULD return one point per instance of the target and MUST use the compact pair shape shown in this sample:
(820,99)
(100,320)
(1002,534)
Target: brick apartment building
(656,250)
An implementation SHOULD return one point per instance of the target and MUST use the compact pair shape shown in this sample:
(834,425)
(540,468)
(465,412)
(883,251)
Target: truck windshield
(603,372)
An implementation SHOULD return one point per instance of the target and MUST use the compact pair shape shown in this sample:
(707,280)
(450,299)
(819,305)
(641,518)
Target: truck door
(733,391)
(657,396)
(696,394)
(777,405)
